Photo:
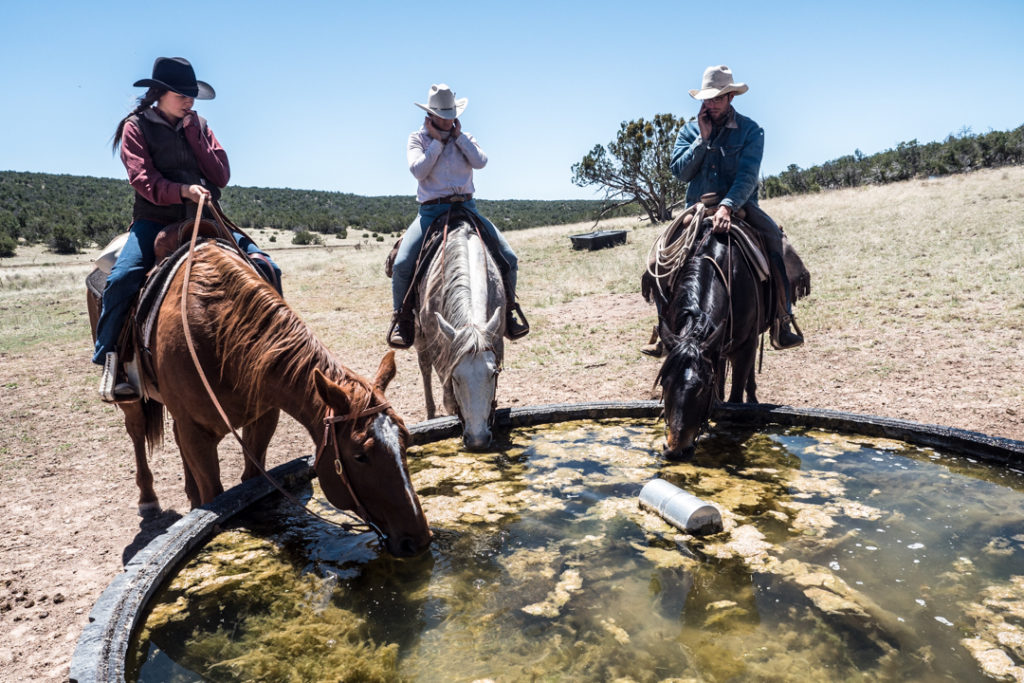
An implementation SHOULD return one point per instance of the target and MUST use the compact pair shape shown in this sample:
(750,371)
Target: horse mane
(697,335)
(688,289)
(262,335)
(453,288)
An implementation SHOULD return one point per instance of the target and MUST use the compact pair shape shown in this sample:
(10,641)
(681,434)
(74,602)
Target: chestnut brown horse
(260,358)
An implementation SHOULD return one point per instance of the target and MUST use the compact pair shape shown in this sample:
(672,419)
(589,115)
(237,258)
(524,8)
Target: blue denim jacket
(729,165)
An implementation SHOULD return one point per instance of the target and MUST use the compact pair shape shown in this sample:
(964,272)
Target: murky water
(843,558)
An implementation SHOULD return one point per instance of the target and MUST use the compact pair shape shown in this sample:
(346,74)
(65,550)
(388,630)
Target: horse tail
(153,417)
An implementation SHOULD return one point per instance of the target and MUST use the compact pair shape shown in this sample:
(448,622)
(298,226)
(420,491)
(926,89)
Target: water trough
(103,646)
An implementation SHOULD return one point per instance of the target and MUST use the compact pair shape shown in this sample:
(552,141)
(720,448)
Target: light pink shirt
(443,169)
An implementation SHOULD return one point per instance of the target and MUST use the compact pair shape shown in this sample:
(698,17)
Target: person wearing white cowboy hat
(172,159)
(442,158)
(720,152)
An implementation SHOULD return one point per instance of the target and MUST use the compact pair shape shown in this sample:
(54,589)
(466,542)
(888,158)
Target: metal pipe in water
(682,510)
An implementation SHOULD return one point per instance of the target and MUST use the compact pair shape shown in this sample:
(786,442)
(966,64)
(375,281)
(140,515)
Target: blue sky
(319,95)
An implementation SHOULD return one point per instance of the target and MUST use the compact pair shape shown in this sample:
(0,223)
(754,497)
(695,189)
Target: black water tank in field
(598,239)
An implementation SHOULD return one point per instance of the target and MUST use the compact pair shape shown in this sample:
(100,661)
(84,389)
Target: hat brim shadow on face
(202,91)
(460,106)
(712,93)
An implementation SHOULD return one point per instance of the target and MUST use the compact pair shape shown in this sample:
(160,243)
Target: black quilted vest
(175,161)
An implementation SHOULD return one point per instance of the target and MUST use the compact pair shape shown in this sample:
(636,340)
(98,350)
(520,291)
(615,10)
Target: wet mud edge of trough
(102,647)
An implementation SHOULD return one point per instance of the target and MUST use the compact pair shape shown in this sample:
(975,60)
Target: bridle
(331,436)
(364,520)
(710,390)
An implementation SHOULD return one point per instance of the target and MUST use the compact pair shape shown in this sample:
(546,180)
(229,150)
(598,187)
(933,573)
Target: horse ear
(491,328)
(330,392)
(711,341)
(386,371)
(669,338)
(447,329)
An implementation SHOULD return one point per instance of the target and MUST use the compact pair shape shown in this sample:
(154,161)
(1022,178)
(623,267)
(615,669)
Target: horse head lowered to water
(260,358)
(714,313)
(461,327)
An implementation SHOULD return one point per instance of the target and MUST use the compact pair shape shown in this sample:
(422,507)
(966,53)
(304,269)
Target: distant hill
(956,154)
(71,211)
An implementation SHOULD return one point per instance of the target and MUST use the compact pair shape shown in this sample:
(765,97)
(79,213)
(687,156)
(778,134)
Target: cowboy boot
(514,329)
(653,347)
(402,332)
(784,337)
(785,334)
(112,391)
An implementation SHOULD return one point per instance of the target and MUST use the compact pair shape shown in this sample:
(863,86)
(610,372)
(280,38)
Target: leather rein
(329,420)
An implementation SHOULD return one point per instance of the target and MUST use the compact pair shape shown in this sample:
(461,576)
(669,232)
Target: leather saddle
(431,244)
(136,338)
(748,239)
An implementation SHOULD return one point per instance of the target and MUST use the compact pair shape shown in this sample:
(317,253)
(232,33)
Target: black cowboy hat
(176,74)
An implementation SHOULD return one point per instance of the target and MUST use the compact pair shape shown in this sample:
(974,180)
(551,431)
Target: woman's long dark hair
(145,102)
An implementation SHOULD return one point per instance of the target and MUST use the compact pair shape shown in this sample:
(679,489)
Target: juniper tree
(635,166)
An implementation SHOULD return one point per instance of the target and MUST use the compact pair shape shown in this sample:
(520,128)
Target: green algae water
(843,558)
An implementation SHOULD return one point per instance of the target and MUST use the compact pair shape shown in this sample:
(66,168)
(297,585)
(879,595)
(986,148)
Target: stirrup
(776,331)
(112,391)
(398,341)
(513,328)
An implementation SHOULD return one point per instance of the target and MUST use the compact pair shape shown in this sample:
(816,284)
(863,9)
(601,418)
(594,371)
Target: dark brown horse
(715,313)
(260,359)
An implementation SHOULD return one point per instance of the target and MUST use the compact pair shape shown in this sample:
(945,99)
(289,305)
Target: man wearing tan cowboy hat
(442,158)
(720,152)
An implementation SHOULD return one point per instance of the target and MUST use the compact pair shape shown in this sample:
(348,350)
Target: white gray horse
(460,331)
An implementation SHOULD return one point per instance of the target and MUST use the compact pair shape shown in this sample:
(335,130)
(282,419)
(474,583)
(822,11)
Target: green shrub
(8,246)
(306,237)
(66,240)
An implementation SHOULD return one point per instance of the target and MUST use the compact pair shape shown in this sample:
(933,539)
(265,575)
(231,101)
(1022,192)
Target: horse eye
(361,457)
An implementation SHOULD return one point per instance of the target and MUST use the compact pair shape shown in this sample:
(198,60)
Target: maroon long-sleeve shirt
(143,175)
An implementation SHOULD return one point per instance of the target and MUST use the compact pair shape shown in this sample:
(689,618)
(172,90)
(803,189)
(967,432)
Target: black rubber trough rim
(102,647)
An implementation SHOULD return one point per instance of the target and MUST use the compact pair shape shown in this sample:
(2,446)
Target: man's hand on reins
(722,219)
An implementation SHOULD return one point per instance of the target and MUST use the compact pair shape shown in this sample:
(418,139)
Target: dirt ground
(68,494)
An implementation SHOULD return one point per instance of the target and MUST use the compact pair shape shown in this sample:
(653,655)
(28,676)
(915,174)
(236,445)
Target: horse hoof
(149,509)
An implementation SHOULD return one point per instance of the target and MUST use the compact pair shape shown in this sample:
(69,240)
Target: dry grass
(917,312)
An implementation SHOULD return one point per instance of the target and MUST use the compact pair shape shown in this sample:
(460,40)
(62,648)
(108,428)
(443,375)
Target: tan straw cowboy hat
(717,81)
(441,102)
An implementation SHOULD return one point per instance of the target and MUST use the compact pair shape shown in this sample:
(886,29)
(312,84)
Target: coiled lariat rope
(666,258)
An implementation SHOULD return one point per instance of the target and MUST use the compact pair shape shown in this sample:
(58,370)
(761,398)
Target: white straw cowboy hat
(717,81)
(441,102)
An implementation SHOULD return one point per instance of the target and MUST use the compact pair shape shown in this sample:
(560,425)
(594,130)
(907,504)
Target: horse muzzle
(680,446)
(408,545)
(477,441)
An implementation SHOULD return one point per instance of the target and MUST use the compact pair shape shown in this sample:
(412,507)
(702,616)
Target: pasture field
(916,312)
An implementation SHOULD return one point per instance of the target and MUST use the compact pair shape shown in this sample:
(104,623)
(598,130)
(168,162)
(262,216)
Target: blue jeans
(405,259)
(126,278)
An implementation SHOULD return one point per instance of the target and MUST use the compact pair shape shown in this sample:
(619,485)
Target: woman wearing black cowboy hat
(172,158)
